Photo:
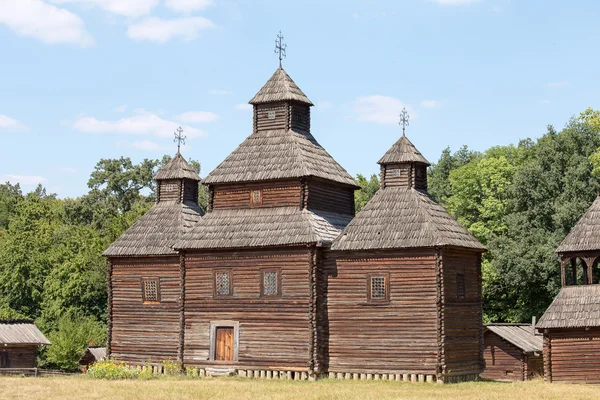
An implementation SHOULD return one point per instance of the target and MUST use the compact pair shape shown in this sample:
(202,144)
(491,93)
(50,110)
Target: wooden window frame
(143,284)
(461,284)
(271,114)
(378,300)
(213,339)
(395,172)
(260,197)
(222,271)
(262,283)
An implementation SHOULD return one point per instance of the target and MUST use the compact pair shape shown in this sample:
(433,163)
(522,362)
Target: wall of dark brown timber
(274,194)
(398,336)
(463,325)
(173,194)
(273,332)
(190,190)
(21,356)
(503,360)
(409,175)
(300,117)
(145,331)
(575,355)
(261,117)
(535,366)
(327,196)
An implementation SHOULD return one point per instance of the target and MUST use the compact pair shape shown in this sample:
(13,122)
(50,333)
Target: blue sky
(88,79)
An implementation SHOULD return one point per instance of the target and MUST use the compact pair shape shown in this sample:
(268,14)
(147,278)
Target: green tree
(368,188)
(438,181)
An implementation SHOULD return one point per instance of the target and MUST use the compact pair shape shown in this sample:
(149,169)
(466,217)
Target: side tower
(404,286)
(144,274)
(571,324)
(253,288)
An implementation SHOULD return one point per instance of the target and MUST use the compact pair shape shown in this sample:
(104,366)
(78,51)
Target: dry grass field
(81,387)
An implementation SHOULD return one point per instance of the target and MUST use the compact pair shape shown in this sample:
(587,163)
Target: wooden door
(224,344)
(4,360)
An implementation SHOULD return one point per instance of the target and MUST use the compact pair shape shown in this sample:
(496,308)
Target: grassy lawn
(81,387)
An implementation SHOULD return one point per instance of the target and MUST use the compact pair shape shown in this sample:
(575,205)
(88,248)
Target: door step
(220,371)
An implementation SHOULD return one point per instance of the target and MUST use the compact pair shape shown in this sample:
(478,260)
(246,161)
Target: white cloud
(142,124)
(120,109)
(244,106)
(197,116)
(380,109)
(162,30)
(186,6)
(22,179)
(12,124)
(430,104)
(559,84)
(219,92)
(126,8)
(455,2)
(50,24)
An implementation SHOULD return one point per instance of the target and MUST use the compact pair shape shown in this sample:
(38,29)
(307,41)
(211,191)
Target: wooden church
(279,278)
(571,324)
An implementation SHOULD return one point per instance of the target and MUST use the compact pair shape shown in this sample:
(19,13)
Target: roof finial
(179,138)
(280,47)
(404,117)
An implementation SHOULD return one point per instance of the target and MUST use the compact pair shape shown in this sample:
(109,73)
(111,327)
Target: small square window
(151,290)
(460,286)
(170,187)
(271,114)
(223,283)
(396,173)
(378,287)
(256,197)
(270,284)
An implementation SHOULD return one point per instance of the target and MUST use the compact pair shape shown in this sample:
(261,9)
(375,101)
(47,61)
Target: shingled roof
(177,168)
(520,335)
(157,231)
(403,151)
(21,332)
(585,235)
(403,217)
(573,307)
(278,154)
(238,228)
(280,87)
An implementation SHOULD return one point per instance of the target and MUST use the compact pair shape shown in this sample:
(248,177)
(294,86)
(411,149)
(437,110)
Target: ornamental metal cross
(280,47)
(404,117)
(179,138)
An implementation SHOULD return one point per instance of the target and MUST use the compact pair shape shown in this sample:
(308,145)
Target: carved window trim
(396,172)
(216,294)
(271,114)
(148,285)
(256,197)
(371,280)
(265,271)
(170,187)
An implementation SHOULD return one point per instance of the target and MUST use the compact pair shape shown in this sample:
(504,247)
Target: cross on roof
(179,138)
(404,117)
(280,47)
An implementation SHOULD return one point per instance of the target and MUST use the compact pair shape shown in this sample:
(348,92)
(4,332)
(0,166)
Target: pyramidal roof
(403,151)
(585,235)
(278,154)
(177,168)
(280,87)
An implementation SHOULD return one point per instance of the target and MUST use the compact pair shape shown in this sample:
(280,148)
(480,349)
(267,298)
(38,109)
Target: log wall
(575,355)
(404,174)
(503,360)
(190,191)
(145,332)
(399,336)
(20,356)
(169,190)
(462,316)
(327,196)
(300,117)
(274,194)
(273,332)
(535,366)
(262,122)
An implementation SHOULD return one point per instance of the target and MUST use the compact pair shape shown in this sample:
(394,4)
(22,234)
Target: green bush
(172,367)
(112,370)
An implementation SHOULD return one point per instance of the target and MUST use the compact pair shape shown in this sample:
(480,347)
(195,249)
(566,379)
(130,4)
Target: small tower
(403,165)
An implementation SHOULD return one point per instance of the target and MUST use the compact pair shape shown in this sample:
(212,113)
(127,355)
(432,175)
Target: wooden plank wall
(261,117)
(327,196)
(400,336)
(463,325)
(169,195)
(143,332)
(575,355)
(273,332)
(503,360)
(20,356)
(409,175)
(190,190)
(284,193)
(300,117)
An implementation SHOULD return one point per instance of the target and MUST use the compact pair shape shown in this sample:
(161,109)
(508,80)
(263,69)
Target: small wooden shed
(512,352)
(19,342)
(91,355)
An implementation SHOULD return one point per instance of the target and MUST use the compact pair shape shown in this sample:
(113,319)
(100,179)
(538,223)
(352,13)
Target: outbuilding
(19,342)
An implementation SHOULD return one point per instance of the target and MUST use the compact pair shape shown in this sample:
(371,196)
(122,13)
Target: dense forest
(519,200)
